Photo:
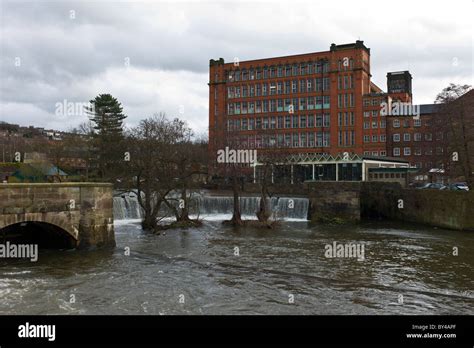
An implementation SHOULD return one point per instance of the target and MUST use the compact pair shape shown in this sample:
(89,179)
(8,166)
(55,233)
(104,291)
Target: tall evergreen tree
(107,115)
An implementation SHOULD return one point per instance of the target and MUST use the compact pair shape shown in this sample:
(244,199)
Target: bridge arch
(45,235)
(81,211)
(45,229)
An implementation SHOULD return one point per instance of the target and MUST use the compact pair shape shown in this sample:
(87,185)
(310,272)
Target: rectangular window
(303,121)
(396,123)
(406,137)
(326,84)
(417,122)
(287,121)
(417,137)
(319,84)
(302,84)
(294,86)
(326,120)
(280,88)
(406,151)
(273,122)
(374,138)
(310,121)
(303,140)
(383,138)
(280,122)
(366,138)
(280,105)
(244,107)
(251,107)
(326,102)
(280,71)
(396,137)
(319,120)
(296,140)
(295,121)
(396,151)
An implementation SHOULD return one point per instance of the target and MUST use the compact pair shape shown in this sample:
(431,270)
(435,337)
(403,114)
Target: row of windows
(279,122)
(375,138)
(345,119)
(345,100)
(346,138)
(375,153)
(386,175)
(374,102)
(417,137)
(279,71)
(279,87)
(417,151)
(304,139)
(345,82)
(406,123)
(374,124)
(374,113)
(279,105)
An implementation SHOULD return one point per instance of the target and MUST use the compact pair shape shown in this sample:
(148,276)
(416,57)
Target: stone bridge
(82,213)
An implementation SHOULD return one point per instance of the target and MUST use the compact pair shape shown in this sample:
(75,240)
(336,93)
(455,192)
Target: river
(407,269)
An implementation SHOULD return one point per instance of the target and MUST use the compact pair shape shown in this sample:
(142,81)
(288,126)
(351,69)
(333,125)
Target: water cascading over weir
(126,206)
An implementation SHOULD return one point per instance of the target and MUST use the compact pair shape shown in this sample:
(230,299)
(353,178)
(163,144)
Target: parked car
(432,186)
(458,186)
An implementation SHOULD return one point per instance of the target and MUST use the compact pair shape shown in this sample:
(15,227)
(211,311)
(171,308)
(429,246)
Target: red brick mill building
(320,107)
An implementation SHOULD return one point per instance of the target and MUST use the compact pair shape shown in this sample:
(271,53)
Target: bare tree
(152,167)
(274,153)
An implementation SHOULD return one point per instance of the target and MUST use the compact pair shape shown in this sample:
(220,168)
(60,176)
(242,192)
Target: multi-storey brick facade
(316,103)
(308,103)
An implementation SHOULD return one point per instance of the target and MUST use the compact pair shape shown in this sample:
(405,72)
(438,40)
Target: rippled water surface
(200,264)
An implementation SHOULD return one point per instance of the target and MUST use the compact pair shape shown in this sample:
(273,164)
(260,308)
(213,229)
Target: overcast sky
(154,56)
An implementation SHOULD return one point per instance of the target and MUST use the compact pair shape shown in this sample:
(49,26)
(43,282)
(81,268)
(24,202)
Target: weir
(126,206)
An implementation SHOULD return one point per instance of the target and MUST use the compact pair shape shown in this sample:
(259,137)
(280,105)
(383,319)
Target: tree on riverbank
(154,164)
(106,114)
(187,159)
